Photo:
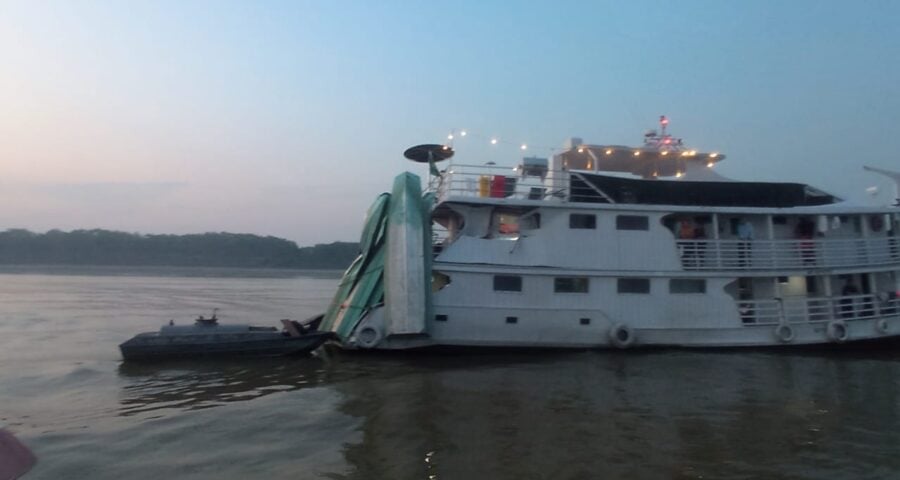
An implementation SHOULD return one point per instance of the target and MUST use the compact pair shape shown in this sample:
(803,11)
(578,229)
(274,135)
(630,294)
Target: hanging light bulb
(580,150)
(524,147)
(678,174)
(713,155)
(609,151)
(450,137)
(664,152)
(637,153)
(710,164)
(493,141)
(462,133)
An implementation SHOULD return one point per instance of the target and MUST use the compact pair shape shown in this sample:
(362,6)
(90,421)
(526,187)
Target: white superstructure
(614,246)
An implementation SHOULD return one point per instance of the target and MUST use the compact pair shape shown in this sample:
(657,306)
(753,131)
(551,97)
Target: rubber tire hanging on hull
(621,335)
(784,333)
(368,337)
(837,331)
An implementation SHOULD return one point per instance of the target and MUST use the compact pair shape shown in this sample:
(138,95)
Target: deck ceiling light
(664,152)
(713,155)
(609,151)
(637,153)
(710,164)
(580,150)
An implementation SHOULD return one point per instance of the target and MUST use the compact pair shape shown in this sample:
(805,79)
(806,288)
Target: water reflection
(193,385)
(646,415)
(656,414)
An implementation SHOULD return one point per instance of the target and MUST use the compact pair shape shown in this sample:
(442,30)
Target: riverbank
(222,249)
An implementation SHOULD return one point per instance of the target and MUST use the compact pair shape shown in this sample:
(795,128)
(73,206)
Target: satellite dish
(428,153)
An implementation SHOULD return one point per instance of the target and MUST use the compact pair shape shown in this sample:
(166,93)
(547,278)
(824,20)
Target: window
(512,319)
(687,285)
(585,321)
(439,281)
(507,223)
(570,285)
(440,318)
(507,283)
(632,222)
(582,221)
(811,287)
(634,285)
(530,222)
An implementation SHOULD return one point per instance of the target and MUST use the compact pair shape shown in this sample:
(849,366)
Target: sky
(288,118)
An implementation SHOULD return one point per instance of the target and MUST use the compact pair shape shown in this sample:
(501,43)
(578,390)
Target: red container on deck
(498,186)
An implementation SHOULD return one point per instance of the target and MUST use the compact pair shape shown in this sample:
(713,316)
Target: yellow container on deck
(484,186)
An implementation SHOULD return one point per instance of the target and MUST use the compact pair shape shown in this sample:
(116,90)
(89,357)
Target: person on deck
(805,230)
(745,235)
(688,248)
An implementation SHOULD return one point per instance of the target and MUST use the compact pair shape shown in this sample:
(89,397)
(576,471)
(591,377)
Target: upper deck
(798,227)
(662,172)
(493,184)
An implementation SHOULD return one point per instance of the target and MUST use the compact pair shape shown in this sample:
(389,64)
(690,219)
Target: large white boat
(615,246)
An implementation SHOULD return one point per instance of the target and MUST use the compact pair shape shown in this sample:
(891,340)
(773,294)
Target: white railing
(499,182)
(787,254)
(821,309)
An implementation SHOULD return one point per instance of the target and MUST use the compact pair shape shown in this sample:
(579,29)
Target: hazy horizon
(288,118)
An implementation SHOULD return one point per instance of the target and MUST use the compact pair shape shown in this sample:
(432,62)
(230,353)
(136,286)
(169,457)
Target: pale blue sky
(287,118)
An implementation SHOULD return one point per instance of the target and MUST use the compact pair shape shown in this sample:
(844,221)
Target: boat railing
(818,309)
(787,254)
(492,181)
(440,237)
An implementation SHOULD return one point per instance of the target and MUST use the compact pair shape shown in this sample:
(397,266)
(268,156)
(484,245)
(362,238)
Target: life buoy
(784,333)
(368,337)
(881,326)
(837,331)
(621,335)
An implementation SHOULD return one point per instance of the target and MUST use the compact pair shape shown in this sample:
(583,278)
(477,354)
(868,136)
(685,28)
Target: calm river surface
(523,415)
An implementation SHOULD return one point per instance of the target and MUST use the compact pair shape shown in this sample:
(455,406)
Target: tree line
(105,247)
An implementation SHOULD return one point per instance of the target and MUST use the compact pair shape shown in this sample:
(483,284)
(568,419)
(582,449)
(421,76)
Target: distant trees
(105,247)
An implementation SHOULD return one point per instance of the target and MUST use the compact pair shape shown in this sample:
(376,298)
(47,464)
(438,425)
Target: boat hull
(148,347)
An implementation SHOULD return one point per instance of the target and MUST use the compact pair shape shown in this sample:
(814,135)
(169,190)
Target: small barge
(207,338)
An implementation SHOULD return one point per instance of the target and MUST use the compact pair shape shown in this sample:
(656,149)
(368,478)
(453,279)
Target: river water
(495,415)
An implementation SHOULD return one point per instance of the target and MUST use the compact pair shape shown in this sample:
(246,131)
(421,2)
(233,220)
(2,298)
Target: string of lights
(659,146)
(461,133)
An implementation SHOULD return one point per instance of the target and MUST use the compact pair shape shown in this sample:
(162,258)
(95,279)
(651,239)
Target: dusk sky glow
(288,118)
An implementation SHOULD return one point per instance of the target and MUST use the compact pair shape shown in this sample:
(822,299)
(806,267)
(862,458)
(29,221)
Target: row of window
(623,222)
(513,283)
(443,318)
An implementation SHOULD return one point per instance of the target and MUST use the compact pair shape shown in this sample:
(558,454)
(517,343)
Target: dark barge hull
(149,348)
